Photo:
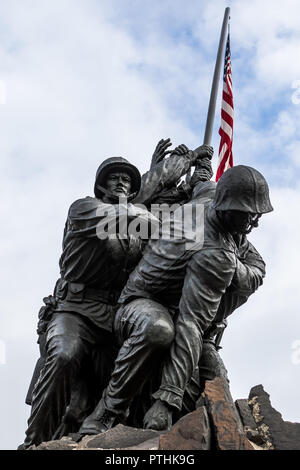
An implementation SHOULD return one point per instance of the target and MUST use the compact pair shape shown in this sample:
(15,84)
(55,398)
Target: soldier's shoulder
(204,190)
(214,255)
(83,204)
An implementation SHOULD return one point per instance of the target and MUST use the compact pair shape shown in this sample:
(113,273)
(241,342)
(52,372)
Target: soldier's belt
(78,292)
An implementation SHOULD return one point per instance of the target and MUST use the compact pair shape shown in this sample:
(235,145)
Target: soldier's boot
(99,421)
(159,417)
(23,446)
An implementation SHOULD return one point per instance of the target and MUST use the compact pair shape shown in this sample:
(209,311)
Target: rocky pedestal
(218,423)
(278,434)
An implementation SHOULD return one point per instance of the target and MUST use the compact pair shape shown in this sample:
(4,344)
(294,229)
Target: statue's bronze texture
(134,325)
(76,337)
(176,297)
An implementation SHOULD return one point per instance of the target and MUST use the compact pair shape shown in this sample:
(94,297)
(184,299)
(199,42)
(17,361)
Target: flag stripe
(225,137)
(222,152)
(227,98)
(228,109)
(228,119)
(226,128)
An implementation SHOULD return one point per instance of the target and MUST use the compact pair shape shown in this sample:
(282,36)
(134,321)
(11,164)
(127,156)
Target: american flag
(226,129)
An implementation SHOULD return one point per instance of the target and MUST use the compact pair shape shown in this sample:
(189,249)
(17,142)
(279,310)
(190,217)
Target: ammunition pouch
(44,317)
(45,314)
(77,292)
(70,291)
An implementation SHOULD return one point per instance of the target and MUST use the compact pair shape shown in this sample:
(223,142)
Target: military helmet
(116,164)
(242,188)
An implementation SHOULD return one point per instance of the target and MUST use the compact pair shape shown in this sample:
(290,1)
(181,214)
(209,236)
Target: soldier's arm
(208,275)
(91,218)
(209,272)
(167,173)
(250,269)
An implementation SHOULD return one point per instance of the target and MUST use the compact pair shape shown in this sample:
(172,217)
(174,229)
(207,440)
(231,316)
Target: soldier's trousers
(186,351)
(78,352)
(145,331)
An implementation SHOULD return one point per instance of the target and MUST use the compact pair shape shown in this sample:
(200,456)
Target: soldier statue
(176,296)
(77,344)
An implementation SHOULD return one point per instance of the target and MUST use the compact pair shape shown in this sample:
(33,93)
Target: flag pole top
(215,82)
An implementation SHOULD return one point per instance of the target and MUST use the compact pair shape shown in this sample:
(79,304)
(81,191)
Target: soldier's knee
(63,359)
(160,332)
(63,355)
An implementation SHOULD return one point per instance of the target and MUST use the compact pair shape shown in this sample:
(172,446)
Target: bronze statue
(75,328)
(175,298)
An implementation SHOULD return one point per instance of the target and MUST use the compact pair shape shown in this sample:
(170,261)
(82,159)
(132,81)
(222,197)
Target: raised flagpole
(216,79)
(214,88)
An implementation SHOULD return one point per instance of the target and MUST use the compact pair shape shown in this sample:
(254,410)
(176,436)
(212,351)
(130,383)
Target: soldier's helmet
(116,164)
(242,188)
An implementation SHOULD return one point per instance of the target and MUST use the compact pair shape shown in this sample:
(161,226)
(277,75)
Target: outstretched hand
(160,152)
(180,150)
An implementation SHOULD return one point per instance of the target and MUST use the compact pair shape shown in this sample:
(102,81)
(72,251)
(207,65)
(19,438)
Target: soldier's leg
(144,327)
(67,344)
(88,386)
(178,369)
(182,362)
(211,364)
(91,377)
(186,354)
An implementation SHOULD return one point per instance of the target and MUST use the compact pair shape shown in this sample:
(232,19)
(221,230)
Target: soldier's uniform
(175,295)
(77,341)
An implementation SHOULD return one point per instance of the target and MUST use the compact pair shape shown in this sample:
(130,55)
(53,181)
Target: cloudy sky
(82,80)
